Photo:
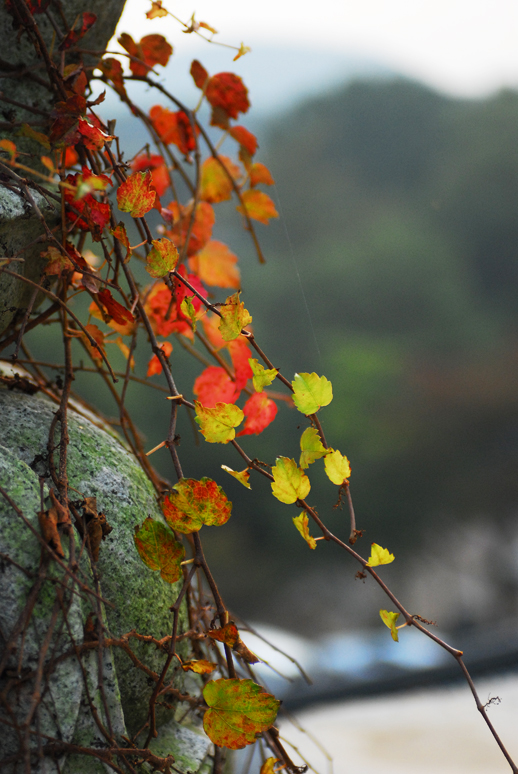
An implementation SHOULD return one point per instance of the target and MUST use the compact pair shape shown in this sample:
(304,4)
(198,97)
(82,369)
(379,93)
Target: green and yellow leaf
(234,318)
(311,447)
(389,619)
(242,475)
(218,424)
(311,392)
(263,377)
(337,467)
(159,550)
(379,555)
(290,482)
(301,523)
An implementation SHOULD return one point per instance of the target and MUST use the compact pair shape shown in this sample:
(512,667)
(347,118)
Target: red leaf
(244,138)
(94,215)
(174,127)
(65,116)
(228,92)
(112,69)
(115,310)
(240,353)
(93,137)
(199,74)
(159,174)
(159,301)
(259,411)
(73,36)
(154,365)
(137,195)
(213,386)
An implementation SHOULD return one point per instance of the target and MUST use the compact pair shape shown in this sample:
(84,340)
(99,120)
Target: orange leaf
(199,74)
(174,127)
(156,10)
(201,666)
(193,503)
(119,232)
(228,92)
(244,138)
(213,386)
(98,336)
(260,174)
(228,634)
(112,69)
(216,184)
(155,366)
(137,195)
(158,167)
(201,231)
(210,324)
(258,206)
(152,49)
(215,265)
(259,411)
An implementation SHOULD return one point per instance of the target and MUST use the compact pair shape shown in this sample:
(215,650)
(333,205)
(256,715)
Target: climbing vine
(97,247)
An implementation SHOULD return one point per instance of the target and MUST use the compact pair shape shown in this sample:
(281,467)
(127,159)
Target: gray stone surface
(98,466)
(19,228)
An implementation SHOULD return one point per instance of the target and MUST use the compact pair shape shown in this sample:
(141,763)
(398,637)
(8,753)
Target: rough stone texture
(98,466)
(20,61)
(20,227)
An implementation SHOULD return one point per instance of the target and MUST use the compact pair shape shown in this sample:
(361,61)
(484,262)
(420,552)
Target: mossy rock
(137,598)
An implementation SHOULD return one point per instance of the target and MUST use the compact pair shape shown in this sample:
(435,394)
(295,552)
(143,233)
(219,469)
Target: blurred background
(391,130)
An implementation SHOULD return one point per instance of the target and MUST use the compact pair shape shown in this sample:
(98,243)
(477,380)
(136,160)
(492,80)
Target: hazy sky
(464,47)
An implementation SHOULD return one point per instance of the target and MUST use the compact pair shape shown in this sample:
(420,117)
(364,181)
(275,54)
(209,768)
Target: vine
(84,176)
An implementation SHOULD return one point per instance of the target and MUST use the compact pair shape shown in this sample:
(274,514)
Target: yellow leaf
(217,424)
(311,447)
(389,619)
(262,376)
(242,475)
(301,523)
(234,318)
(267,767)
(310,392)
(379,555)
(337,467)
(201,666)
(290,482)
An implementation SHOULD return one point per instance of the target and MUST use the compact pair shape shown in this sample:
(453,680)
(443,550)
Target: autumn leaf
(98,336)
(240,353)
(199,74)
(174,127)
(194,503)
(214,386)
(228,92)
(112,69)
(215,265)
(310,392)
(337,467)
(153,49)
(290,482)
(262,376)
(244,138)
(239,710)
(189,312)
(242,476)
(201,666)
(379,555)
(88,20)
(158,167)
(216,183)
(210,325)
(257,205)
(119,232)
(242,51)
(228,634)
(119,313)
(217,424)
(58,263)
(158,305)
(154,365)
(201,232)
(159,550)
(156,10)
(259,173)
(234,318)
(27,131)
(137,195)
(268,766)
(301,523)
(9,147)
(311,447)
(92,136)
(162,258)
(260,412)
(389,619)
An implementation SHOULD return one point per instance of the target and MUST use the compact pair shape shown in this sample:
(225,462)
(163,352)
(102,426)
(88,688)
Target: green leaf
(389,619)
(241,475)
(311,447)
(162,258)
(337,467)
(234,317)
(311,392)
(262,376)
(379,555)
(159,550)
(301,523)
(195,503)
(188,310)
(239,710)
(217,424)
(290,482)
